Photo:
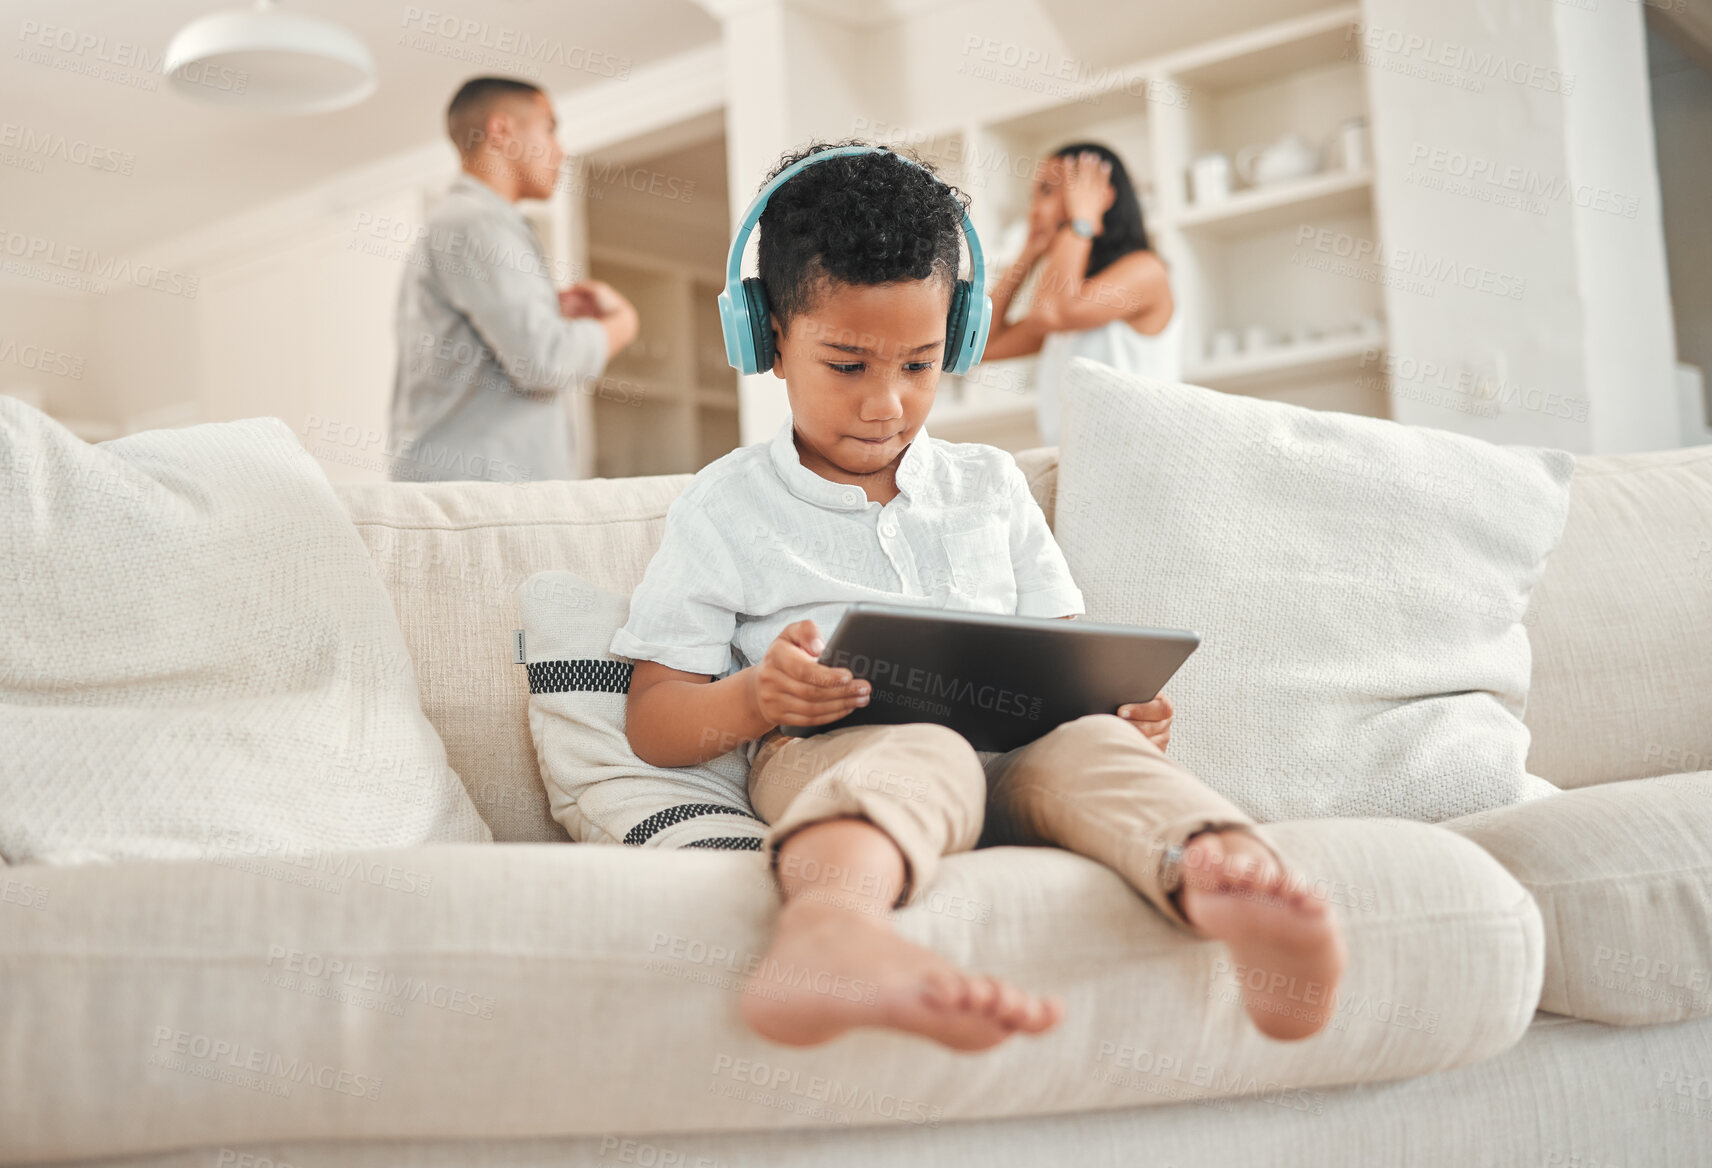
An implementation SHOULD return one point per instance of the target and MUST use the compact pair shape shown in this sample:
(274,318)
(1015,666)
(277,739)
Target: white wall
(305,333)
(1566,331)
(298,327)
(47,349)
(1629,343)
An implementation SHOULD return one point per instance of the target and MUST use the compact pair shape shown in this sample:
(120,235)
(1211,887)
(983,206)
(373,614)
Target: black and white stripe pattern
(733,843)
(660,820)
(587,673)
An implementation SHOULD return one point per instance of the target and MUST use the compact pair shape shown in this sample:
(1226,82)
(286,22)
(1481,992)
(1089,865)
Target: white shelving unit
(1280,204)
(1322,358)
(1249,261)
(1236,263)
(669,401)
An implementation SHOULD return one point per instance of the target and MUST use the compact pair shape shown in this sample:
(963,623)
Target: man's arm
(493,281)
(673,718)
(602,302)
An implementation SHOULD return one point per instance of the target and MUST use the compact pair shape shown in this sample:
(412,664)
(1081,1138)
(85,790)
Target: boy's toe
(1011,1006)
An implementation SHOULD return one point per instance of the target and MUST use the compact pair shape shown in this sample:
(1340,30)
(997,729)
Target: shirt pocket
(979,571)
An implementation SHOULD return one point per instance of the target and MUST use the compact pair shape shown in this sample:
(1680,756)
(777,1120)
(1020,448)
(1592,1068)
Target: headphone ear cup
(760,326)
(956,325)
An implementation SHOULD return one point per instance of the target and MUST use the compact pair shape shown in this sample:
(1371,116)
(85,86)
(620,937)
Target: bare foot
(1284,939)
(830,969)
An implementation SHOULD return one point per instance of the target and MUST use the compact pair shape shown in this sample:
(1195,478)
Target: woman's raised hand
(1087,178)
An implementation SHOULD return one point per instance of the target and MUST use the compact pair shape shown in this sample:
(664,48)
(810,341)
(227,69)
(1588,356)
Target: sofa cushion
(597,788)
(1596,625)
(453,555)
(525,991)
(197,656)
(1358,585)
(1623,877)
(1622,682)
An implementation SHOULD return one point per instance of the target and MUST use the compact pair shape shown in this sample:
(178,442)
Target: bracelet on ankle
(1171,872)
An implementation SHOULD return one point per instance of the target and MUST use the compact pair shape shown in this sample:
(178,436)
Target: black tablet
(1000,681)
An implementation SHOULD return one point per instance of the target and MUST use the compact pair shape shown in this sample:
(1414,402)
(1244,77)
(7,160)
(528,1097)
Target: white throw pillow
(596,786)
(197,658)
(1358,585)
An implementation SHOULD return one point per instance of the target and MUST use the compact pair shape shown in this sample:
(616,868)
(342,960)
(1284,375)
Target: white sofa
(1525,986)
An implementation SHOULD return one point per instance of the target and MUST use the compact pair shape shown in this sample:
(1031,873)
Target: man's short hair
(856,219)
(466,116)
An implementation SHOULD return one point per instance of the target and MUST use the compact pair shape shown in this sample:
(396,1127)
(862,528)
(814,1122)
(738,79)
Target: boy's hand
(791,688)
(1151,718)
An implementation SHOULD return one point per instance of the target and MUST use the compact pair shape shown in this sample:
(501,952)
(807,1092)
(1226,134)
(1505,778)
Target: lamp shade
(271,61)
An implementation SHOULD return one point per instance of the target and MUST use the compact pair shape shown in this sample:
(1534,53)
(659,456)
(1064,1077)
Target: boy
(851,500)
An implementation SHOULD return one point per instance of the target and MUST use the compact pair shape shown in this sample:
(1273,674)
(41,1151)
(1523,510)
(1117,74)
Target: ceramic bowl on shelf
(1290,157)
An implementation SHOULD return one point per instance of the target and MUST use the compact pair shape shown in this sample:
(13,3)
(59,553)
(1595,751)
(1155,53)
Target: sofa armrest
(518,990)
(1622,873)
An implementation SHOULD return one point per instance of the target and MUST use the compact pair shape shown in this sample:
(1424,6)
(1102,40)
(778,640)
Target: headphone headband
(742,304)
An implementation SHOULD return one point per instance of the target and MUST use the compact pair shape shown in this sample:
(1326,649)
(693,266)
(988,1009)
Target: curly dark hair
(856,219)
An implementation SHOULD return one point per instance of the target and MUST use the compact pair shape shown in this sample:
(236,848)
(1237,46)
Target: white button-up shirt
(757,541)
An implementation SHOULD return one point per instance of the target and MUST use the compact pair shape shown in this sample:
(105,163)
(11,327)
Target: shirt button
(851,496)
(888,529)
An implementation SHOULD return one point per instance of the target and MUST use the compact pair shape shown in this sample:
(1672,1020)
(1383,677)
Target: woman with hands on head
(1101,292)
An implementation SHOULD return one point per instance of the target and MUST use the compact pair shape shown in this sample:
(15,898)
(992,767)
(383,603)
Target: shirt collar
(470,183)
(912,474)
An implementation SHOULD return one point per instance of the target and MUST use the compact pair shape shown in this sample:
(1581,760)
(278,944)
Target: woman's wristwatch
(1083,227)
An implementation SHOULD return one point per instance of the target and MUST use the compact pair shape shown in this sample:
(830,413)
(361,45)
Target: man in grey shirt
(487,346)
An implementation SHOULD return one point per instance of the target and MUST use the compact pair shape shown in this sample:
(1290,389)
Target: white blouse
(1114,343)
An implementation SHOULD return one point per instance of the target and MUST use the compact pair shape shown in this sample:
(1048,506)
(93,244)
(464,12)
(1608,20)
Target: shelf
(1332,193)
(1268,54)
(1284,363)
(657,265)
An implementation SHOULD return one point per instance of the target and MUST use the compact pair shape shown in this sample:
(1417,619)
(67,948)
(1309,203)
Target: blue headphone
(743,306)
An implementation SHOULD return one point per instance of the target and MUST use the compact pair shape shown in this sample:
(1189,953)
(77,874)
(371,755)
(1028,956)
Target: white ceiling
(192,163)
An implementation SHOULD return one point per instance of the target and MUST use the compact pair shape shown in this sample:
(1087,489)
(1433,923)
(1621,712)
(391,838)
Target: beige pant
(1096,786)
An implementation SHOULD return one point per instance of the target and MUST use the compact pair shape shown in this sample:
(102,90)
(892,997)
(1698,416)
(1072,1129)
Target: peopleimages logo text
(937,685)
(242,1056)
